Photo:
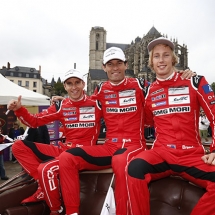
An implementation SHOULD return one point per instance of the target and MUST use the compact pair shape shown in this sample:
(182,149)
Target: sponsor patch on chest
(127,101)
(178,90)
(183,99)
(171,110)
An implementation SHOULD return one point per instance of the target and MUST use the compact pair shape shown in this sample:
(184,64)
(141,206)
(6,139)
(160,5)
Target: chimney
(74,65)
(8,65)
(40,70)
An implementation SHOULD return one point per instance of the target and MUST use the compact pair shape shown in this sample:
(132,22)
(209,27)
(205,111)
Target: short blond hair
(174,57)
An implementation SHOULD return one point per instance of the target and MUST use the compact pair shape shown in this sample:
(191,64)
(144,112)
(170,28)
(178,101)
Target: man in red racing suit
(80,117)
(174,105)
(122,102)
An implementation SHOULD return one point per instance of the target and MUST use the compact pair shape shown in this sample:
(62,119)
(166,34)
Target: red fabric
(81,121)
(174,106)
(122,107)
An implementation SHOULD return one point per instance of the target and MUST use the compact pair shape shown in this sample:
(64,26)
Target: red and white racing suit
(174,105)
(81,122)
(122,107)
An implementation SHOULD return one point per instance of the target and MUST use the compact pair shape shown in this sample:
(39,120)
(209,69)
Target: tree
(213,86)
(59,89)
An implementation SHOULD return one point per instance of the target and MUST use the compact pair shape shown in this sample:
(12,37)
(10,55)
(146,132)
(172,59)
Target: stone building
(136,54)
(27,77)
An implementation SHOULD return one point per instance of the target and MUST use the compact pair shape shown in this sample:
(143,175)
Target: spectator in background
(2,169)
(43,134)
(15,131)
(203,126)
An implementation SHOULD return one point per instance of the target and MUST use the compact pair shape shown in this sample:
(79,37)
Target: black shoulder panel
(99,86)
(141,82)
(196,80)
(58,104)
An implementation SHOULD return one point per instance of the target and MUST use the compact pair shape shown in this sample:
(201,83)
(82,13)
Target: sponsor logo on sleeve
(69,113)
(211,97)
(207,88)
(162,96)
(157,104)
(127,93)
(72,108)
(127,101)
(184,99)
(110,96)
(114,140)
(87,117)
(71,119)
(111,102)
(157,91)
(87,109)
(178,90)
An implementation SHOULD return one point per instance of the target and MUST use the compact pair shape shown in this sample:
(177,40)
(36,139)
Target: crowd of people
(171,105)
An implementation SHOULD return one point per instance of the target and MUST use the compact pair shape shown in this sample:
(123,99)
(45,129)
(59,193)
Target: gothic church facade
(136,54)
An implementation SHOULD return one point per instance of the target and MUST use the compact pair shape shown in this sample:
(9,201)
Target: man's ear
(104,67)
(64,86)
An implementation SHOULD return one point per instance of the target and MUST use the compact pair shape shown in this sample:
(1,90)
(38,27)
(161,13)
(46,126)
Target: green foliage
(59,89)
(213,86)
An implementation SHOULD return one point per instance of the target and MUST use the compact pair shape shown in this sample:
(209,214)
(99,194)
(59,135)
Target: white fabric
(206,122)
(109,207)
(10,90)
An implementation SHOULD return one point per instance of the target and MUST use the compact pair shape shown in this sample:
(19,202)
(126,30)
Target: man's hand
(209,159)
(56,98)
(187,74)
(14,104)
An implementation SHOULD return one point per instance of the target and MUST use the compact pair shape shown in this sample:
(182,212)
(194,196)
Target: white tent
(9,90)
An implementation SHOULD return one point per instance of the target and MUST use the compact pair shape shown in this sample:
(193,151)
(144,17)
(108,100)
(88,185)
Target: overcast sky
(55,34)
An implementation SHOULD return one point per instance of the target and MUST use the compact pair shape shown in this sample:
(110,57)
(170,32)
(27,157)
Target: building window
(20,74)
(35,76)
(12,80)
(97,45)
(27,75)
(20,83)
(34,84)
(27,83)
(35,91)
(11,74)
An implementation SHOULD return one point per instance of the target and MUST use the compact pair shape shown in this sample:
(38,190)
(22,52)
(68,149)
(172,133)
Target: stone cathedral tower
(97,47)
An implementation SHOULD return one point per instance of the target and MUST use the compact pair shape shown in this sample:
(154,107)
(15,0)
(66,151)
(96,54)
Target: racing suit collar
(83,98)
(118,83)
(169,80)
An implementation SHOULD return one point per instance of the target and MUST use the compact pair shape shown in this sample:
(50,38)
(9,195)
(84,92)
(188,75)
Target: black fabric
(98,161)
